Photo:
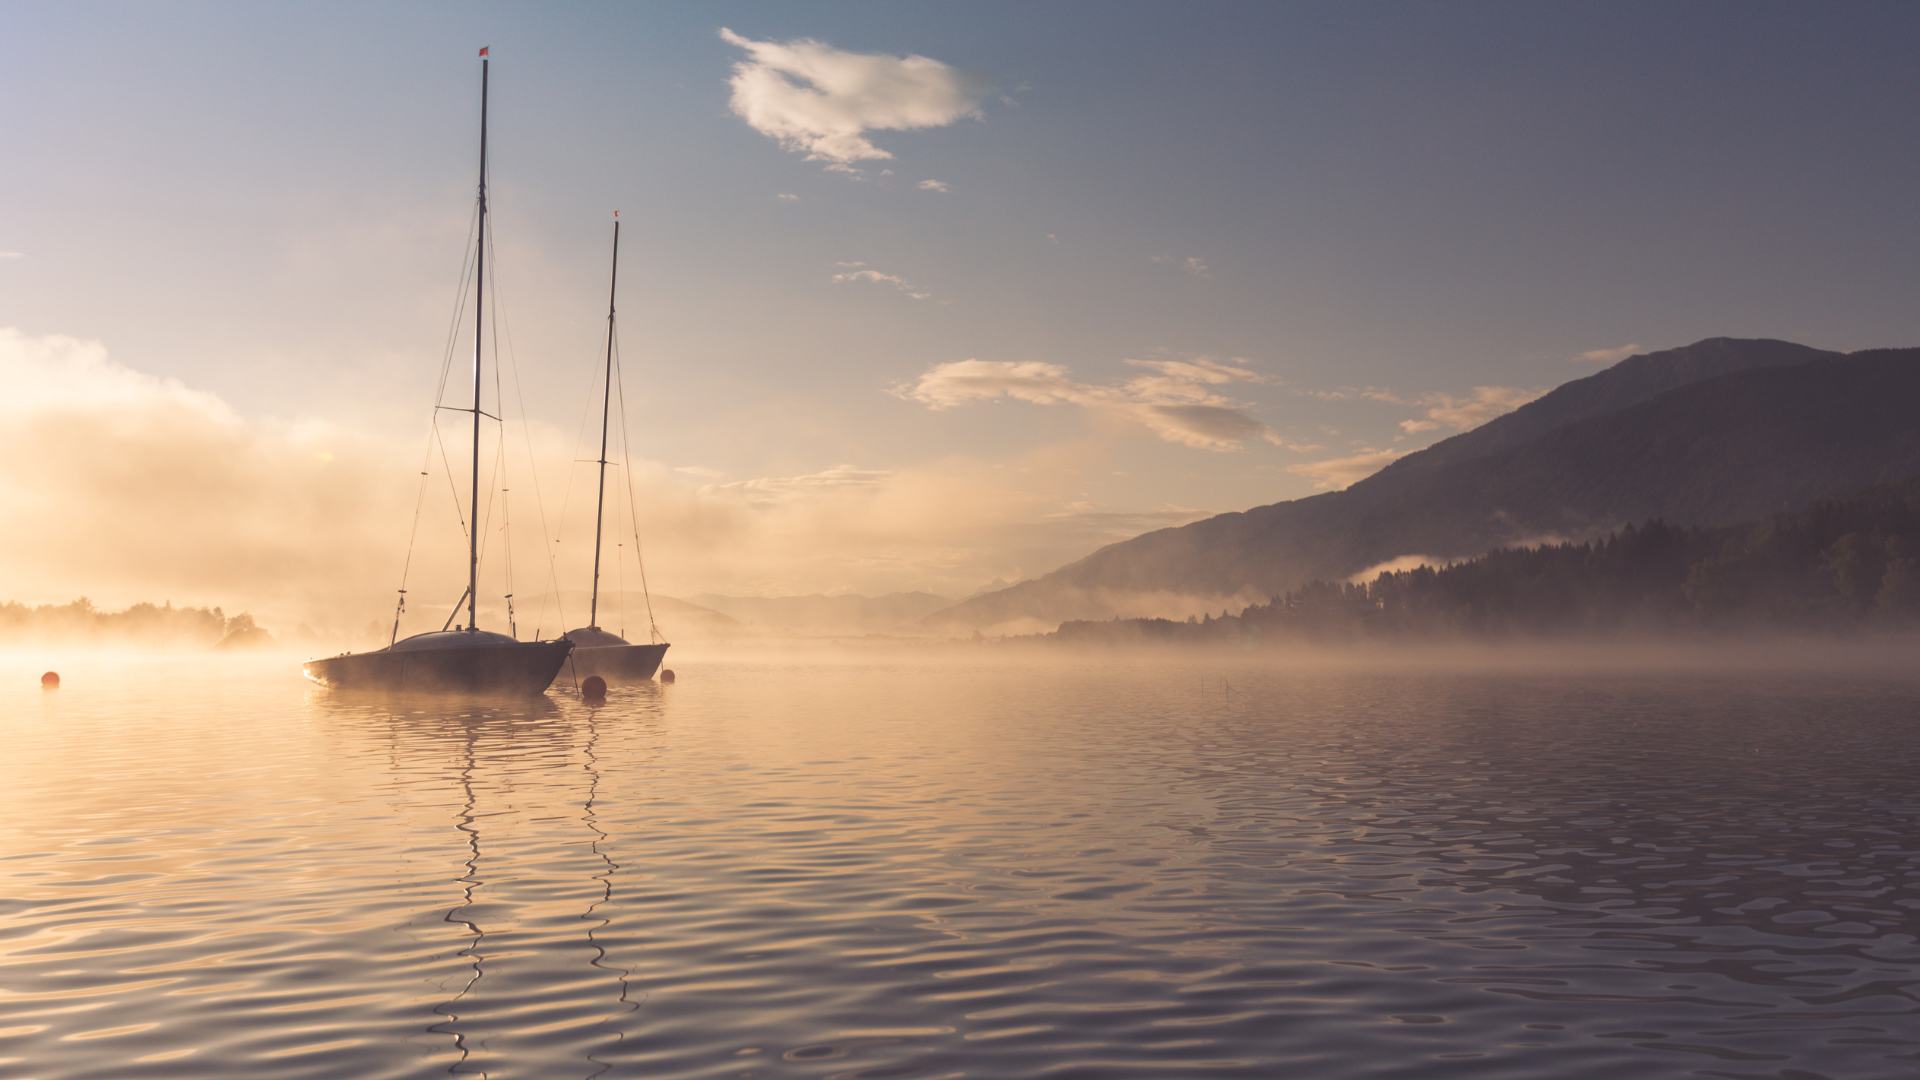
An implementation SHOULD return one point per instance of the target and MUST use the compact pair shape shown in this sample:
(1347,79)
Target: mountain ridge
(1402,510)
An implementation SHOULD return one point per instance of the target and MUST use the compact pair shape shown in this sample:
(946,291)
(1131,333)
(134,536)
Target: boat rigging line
(476,532)
(433,425)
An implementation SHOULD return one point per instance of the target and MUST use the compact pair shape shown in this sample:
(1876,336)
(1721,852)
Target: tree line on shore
(1852,561)
(81,623)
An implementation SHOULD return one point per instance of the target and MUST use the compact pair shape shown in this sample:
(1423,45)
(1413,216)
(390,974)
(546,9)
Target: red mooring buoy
(594,688)
(667,675)
(50,681)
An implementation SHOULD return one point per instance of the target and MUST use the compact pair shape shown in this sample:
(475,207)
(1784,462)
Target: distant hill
(819,614)
(625,614)
(1716,432)
(992,586)
(715,617)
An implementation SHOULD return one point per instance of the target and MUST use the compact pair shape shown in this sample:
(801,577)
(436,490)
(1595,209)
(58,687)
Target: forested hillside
(1847,562)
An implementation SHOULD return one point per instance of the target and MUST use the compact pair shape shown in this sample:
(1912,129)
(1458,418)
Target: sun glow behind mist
(133,488)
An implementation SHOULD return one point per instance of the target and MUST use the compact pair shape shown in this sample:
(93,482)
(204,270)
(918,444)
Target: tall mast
(479,300)
(606,404)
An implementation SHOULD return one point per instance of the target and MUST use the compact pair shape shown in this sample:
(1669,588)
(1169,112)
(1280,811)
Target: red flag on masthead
(483,50)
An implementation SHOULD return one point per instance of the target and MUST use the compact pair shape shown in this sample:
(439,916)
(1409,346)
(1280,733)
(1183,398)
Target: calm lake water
(906,868)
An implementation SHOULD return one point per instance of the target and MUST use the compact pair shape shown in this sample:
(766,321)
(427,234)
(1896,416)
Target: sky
(912,296)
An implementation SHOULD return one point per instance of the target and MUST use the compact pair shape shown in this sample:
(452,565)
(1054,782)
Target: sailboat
(597,651)
(461,659)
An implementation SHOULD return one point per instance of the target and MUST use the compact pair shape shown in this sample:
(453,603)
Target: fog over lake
(974,864)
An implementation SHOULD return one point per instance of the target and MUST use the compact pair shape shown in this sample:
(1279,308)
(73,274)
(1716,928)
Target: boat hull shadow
(616,663)
(522,669)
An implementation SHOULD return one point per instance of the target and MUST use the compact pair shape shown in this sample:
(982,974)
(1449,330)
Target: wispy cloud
(1461,412)
(822,101)
(1197,267)
(934,185)
(1338,473)
(879,278)
(784,197)
(13,254)
(1606,356)
(1175,401)
(771,490)
(1348,393)
(1404,562)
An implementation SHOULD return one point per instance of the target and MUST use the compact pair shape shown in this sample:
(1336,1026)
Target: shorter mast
(606,405)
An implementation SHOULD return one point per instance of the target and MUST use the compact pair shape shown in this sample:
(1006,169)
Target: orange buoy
(50,681)
(667,675)
(594,688)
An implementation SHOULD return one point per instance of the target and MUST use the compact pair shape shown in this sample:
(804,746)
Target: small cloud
(816,99)
(1469,410)
(784,197)
(13,254)
(934,185)
(1174,403)
(849,264)
(700,471)
(1052,239)
(1339,473)
(1606,356)
(879,278)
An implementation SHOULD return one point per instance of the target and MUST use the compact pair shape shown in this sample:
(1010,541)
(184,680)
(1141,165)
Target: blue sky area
(1121,264)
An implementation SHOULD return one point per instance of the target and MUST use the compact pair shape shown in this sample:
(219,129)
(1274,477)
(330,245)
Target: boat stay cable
(633,509)
(533,470)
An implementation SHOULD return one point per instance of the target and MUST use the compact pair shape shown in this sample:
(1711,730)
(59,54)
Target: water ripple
(917,870)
